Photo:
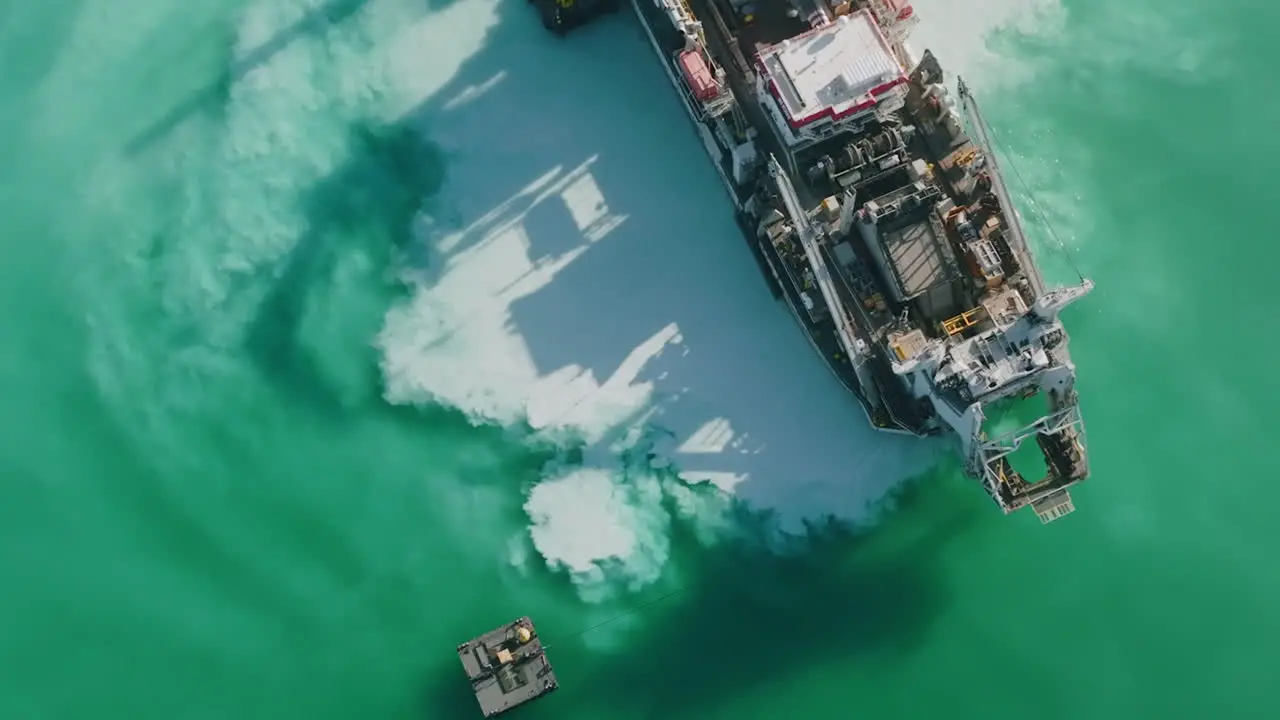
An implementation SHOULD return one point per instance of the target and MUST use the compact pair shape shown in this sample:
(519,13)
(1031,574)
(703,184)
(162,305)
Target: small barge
(508,667)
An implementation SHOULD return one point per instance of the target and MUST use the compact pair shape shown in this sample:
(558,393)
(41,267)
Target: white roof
(833,69)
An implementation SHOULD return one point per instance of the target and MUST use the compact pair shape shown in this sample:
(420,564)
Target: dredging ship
(875,205)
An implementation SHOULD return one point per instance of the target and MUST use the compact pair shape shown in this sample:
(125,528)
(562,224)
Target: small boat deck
(507,667)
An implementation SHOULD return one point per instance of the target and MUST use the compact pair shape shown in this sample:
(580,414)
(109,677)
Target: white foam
(960,34)
(587,278)
(232,184)
(585,518)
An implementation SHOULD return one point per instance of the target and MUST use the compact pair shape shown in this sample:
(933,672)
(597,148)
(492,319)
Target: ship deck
(521,672)
(919,257)
(820,329)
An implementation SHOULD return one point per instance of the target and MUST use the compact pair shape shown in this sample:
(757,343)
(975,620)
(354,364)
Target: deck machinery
(873,196)
(508,667)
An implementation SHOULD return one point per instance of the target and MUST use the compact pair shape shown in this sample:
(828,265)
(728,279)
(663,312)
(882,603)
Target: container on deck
(699,77)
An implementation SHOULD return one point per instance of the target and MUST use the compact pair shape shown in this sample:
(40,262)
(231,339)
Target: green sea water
(209,509)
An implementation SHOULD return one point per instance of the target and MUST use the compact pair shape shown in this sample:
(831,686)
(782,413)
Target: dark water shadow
(750,617)
(363,209)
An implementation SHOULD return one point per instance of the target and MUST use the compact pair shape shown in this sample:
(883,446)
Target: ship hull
(666,43)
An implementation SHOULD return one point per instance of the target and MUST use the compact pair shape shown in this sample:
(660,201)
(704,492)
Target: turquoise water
(239,483)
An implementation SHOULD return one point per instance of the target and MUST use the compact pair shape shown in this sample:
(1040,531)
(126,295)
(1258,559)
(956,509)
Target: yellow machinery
(964,321)
(966,157)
